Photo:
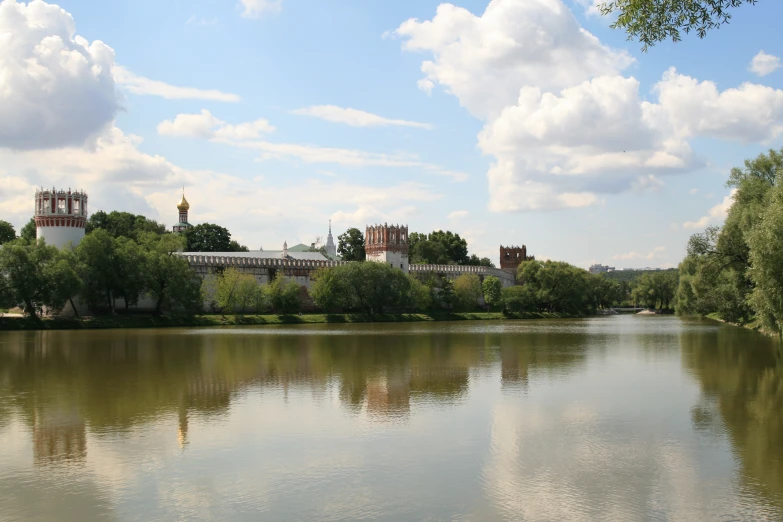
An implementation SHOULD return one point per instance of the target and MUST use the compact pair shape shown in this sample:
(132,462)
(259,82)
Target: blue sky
(606,158)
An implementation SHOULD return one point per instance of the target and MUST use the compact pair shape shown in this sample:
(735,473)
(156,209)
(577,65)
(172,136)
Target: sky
(508,122)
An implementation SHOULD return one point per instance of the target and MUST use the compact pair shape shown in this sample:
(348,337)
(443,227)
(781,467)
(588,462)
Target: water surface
(615,418)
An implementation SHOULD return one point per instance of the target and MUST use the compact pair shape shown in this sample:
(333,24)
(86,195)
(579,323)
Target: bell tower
(183,207)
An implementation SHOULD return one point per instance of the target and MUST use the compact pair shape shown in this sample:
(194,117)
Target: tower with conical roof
(183,206)
(331,249)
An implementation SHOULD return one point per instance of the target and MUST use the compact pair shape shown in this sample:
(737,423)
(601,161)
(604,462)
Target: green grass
(149,321)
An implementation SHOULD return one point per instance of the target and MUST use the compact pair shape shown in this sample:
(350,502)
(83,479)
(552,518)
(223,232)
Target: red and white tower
(60,216)
(387,244)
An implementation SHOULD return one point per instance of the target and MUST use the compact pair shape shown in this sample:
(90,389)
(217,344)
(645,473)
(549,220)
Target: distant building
(60,216)
(331,249)
(601,269)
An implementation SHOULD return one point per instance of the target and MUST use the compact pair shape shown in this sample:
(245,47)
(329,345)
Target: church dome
(183,203)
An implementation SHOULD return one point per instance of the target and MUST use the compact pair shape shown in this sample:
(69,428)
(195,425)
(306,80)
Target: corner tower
(512,257)
(60,216)
(183,207)
(387,244)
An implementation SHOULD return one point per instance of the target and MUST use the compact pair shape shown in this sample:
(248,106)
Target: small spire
(330,226)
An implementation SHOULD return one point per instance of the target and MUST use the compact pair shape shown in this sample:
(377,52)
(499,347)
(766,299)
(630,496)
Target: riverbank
(149,321)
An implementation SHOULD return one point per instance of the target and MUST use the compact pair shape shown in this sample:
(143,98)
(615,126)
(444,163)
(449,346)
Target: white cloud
(256,8)
(764,64)
(484,60)
(655,253)
(56,88)
(244,135)
(563,126)
(206,126)
(144,86)
(715,215)
(458,214)
(749,113)
(355,117)
(693,191)
(202,22)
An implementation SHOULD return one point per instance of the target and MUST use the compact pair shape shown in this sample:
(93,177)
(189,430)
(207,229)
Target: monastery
(61,216)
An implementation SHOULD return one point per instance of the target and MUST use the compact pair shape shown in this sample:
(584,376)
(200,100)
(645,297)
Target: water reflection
(572,420)
(741,377)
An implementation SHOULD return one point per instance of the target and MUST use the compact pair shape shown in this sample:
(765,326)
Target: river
(613,418)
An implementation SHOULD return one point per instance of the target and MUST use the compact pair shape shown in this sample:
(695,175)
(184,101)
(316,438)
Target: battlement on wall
(226,261)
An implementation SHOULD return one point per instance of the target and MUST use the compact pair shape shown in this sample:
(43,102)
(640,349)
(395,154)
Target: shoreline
(148,321)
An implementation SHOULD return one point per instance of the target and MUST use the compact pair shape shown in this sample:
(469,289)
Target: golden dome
(183,203)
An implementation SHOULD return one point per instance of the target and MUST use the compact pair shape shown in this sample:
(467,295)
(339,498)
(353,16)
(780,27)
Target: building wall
(60,236)
(395,259)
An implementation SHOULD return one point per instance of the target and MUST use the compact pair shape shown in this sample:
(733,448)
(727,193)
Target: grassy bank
(149,321)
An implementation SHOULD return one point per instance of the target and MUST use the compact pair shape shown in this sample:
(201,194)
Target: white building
(60,216)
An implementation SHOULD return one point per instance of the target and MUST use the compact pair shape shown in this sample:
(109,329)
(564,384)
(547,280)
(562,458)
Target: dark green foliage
(7,232)
(29,232)
(207,237)
(475,260)
(33,276)
(492,288)
(467,292)
(653,21)
(656,289)
(123,224)
(370,288)
(283,295)
(731,270)
(350,245)
(168,278)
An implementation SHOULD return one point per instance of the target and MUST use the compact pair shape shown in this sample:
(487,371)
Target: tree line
(736,271)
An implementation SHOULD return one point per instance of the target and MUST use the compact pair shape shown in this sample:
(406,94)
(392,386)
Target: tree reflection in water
(741,377)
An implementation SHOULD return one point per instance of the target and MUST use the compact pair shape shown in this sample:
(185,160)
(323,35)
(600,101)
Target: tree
(28,271)
(428,252)
(169,279)
(327,289)
(7,232)
(418,295)
(492,288)
(123,224)
(236,291)
(518,299)
(283,295)
(456,247)
(446,294)
(653,21)
(556,286)
(766,256)
(467,291)
(129,265)
(96,255)
(207,237)
(480,261)
(29,232)
(350,245)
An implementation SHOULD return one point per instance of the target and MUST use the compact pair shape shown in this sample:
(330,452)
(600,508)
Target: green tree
(456,247)
(96,257)
(129,266)
(557,286)
(518,299)
(446,294)
(766,256)
(207,237)
(428,252)
(169,279)
(492,288)
(123,224)
(467,291)
(283,295)
(653,21)
(350,245)
(29,272)
(7,232)
(480,261)
(418,295)
(327,289)
(29,232)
